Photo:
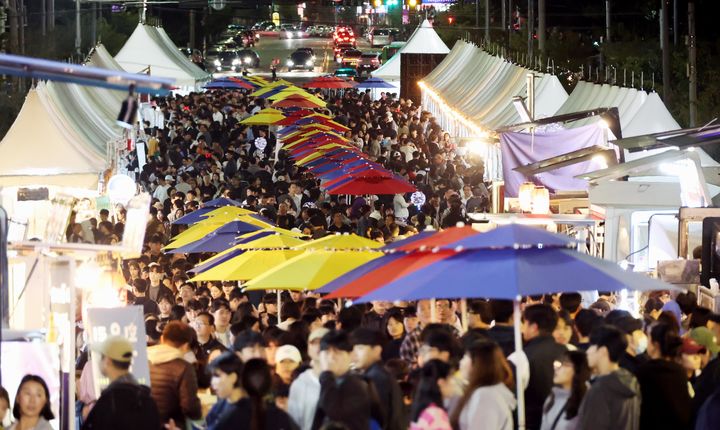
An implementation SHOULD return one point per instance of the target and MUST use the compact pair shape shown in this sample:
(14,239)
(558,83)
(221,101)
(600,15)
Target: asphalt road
(269,48)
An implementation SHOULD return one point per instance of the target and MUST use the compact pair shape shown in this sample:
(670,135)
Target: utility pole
(477,14)
(665,46)
(503,17)
(692,66)
(78,35)
(607,21)
(43,18)
(541,29)
(51,15)
(487,20)
(192,28)
(531,28)
(14,27)
(93,24)
(676,24)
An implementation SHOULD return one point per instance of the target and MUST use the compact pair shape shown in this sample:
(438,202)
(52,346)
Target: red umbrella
(295,101)
(362,185)
(329,82)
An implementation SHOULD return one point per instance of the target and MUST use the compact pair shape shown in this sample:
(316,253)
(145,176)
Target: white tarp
(41,149)
(471,92)
(424,40)
(150,48)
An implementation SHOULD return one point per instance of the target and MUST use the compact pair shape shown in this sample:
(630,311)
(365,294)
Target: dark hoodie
(666,398)
(612,403)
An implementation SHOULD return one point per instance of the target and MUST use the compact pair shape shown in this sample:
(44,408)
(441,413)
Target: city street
(269,48)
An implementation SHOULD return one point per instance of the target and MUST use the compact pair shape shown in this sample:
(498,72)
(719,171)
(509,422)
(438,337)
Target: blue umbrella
(512,236)
(209,206)
(231,254)
(219,240)
(224,85)
(374,83)
(509,273)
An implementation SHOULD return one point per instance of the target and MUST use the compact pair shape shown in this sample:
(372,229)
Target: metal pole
(520,392)
(607,21)
(78,36)
(531,28)
(43,18)
(192,29)
(665,46)
(503,17)
(541,28)
(487,20)
(93,25)
(464,315)
(279,305)
(531,95)
(676,24)
(477,14)
(692,66)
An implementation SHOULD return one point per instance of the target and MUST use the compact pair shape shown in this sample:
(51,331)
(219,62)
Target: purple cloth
(519,149)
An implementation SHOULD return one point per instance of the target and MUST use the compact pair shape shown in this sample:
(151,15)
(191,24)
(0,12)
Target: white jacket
(303,399)
(489,408)
(400,207)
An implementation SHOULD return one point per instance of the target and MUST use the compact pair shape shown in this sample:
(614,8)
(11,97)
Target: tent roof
(424,40)
(100,57)
(40,144)
(150,47)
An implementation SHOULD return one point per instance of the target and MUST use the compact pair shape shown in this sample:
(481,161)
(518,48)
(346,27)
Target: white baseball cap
(288,352)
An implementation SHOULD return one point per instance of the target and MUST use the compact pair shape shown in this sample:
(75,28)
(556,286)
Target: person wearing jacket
(173,380)
(664,383)
(488,403)
(124,404)
(613,400)
(560,411)
(542,351)
(345,398)
(367,358)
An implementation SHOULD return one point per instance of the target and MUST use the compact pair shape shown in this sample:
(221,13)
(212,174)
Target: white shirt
(161,192)
(303,399)
(218,117)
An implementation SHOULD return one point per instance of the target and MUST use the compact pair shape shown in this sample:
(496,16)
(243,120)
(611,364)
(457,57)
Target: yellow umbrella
(311,270)
(341,242)
(207,226)
(247,265)
(264,117)
(302,93)
(269,87)
(277,230)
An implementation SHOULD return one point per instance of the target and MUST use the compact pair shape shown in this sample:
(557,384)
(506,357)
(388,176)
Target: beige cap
(288,352)
(117,348)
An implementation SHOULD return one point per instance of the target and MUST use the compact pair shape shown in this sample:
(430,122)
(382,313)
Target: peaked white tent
(424,40)
(41,149)
(150,49)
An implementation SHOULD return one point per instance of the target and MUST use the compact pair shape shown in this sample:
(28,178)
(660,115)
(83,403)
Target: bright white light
(290,63)
(623,264)
(601,161)
(235,62)
(121,188)
(248,60)
(309,63)
(603,123)
(217,62)
(475,146)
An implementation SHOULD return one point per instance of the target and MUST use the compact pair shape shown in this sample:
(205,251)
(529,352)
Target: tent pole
(520,393)
(464,315)
(433,311)
(279,305)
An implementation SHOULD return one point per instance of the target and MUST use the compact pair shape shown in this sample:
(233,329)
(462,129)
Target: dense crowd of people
(221,358)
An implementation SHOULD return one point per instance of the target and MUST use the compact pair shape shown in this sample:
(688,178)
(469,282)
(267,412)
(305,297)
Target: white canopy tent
(150,49)
(42,149)
(470,93)
(424,40)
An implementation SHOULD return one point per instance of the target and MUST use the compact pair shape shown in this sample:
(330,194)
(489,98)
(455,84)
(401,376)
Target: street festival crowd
(389,365)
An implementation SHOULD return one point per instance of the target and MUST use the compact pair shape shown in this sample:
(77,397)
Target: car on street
(263,26)
(211,54)
(301,59)
(227,61)
(381,36)
(229,44)
(350,58)
(290,31)
(249,58)
(340,49)
(369,61)
(343,35)
(346,72)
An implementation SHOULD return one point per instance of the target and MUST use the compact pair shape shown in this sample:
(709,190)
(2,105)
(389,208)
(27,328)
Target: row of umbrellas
(317,142)
(507,262)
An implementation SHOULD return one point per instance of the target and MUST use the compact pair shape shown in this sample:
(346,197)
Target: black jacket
(612,403)
(348,400)
(706,384)
(239,416)
(389,396)
(666,402)
(542,352)
(504,336)
(708,418)
(124,404)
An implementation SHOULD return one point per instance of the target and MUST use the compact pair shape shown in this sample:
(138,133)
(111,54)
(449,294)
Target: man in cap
(124,404)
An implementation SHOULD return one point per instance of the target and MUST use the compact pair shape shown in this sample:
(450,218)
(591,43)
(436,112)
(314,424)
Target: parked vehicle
(369,61)
(227,61)
(382,36)
(301,59)
(340,49)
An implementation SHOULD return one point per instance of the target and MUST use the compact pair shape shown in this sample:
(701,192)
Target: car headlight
(309,63)
(299,34)
(248,60)
(290,63)
(236,61)
(216,62)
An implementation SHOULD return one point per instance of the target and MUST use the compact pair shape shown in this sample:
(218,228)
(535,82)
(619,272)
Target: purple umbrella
(219,240)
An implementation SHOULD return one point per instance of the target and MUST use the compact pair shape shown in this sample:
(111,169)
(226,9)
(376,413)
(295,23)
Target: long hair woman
(257,382)
(572,373)
(32,405)
(434,386)
(488,403)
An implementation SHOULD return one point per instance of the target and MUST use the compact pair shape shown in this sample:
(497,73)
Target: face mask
(642,345)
